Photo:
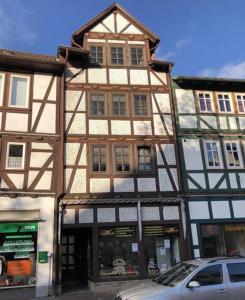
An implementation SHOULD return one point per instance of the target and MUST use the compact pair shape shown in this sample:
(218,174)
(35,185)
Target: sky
(202,37)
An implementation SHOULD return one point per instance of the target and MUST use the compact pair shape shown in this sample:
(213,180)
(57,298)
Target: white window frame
(1,92)
(211,101)
(242,95)
(239,154)
(221,166)
(10,90)
(23,157)
(231,102)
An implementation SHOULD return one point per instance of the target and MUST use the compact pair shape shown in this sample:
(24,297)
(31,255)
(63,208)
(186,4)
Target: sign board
(43,257)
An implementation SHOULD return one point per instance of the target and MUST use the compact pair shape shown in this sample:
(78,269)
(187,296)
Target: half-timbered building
(31,166)
(122,217)
(210,118)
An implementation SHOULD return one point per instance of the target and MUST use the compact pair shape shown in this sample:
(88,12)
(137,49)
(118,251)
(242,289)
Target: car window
(209,276)
(236,272)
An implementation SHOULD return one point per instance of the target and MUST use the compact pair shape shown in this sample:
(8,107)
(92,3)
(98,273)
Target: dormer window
(96,54)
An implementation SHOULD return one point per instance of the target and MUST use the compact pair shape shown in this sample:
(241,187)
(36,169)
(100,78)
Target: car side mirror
(193,284)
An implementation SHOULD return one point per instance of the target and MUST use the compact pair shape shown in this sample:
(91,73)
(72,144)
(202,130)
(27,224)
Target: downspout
(183,215)
(139,219)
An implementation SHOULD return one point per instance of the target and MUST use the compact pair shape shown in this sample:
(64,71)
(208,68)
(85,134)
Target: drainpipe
(183,215)
(139,219)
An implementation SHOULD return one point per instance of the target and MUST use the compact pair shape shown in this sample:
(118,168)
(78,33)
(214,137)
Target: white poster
(167,244)
(134,247)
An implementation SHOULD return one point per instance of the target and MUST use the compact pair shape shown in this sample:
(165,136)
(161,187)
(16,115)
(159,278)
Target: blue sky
(202,37)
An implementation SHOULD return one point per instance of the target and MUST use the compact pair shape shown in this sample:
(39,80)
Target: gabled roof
(78,34)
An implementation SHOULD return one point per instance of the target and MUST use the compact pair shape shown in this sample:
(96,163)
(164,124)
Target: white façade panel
(71,151)
(139,77)
(86,215)
(165,183)
(83,158)
(118,76)
(185,101)
(116,41)
(75,75)
(214,178)
(196,253)
(80,182)
(175,177)
(1,120)
(199,178)
(40,86)
(171,213)
(136,42)
(188,121)
(239,208)
(69,216)
(100,28)
(53,92)
(194,234)
(128,214)
(233,180)
(160,161)
(154,79)
(158,125)
(17,179)
(47,122)
(221,209)
(67,177)
(38,159)
(211,120)
(146,184)
(132,30)
(41,146)
(121,22)
(163,103)
(99,185)
(106,215)
(191,186)
(162,76)
(120,127)
(35,110)
(169,123)
(242,122)
(72,98)
(223,123)
(97,76)
(232,123)
(192,154)
(150,213)
(123,185)
(78,125)
(92,40)
(142,127)
(31,176)
(16,122)
(109,22)
(4,185)
(242,180)
(98,126)
(198,210)
(45,181)
(169,152)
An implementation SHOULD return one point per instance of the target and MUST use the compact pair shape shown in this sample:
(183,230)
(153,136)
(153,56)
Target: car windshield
(175,275)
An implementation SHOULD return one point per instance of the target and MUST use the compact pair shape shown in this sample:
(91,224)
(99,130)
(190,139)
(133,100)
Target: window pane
(99,158)
(19,91)
(236,272)
(15,156)
(209,276)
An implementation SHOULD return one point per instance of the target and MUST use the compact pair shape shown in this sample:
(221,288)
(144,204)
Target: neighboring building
(122,217)
(210,117)
(30,139)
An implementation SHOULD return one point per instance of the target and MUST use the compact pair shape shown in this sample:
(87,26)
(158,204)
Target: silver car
(200,279)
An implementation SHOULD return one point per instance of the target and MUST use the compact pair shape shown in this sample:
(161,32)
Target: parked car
(219,278)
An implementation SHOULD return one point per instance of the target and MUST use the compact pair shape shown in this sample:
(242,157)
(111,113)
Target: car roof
(205,261)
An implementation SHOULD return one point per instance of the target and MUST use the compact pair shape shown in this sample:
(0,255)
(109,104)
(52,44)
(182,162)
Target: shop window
(140,105)
(117,57)
(118,105)
(212,152)
(19,91)
(161,244)
(223,239)
(15,156)
(18,246)
(99,158)
(118,252)
(144,158)
(236,272)
(240,103)
(137,56)
(209,276)
(96,54)
(97,105)
(224,103)
(233,154)
(122,157)
(205,102)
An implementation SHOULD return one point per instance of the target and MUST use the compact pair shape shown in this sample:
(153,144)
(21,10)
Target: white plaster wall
(239,208)
(139,77)
(192,154)
(47,122)
(121,22)
(242,122)
(67,176)
(99,28)
(136,42)
(171,213)
(132,30)
(16,122)
(185,101)
(31,176)
(211,120)
(71,151)
(142,127)
(175,177)
(232,123)
(120,127)
(158,125)
(97,76)
(78,125)
(214,178)
(188,121)
(163,103)
(118,76)
(169,123)
(242,180)
(233,180)
(199,178)
(93,40)
(80,75)
(17,179)
(154,80)
(45,181)
(163,76)
(109,22)
(35,110)
(123,185)
(83,159)
(41,83)
(146,184)
(106,215)
(79,182)
(98,127)
(169,151)
(198,210)
(41,146)
(220,209)
(223,123)
(165,183)
(86,215)
(128,214)
(99,185)
(0,118)
(72,98)
(38,159)
(150,213)
(194,234)
(160,161)
(116,42)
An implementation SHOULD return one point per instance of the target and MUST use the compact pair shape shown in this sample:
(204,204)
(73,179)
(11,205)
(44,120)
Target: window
(212,154)
(144,159)
(1,87)
(236,272)
(118,105)
(232,154)
(117,56)
(122,156)
(96,54)
(137,56)
(97,105)
(209,276)
(19,91)
(224,103)
(205,102)
(241,103)
(99,158)
(140,105)
(15,156)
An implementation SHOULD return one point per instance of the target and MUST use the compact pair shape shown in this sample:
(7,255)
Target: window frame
(231,102)
(10,90)
(221,166)
(144,55)
(90,94)
(147,102)
(122,46)
(126,105)
(23,156)
(2,90)
(242,95)
(91,158)
(137,160)
(239,151)
(211,102)
(103,52)
(130,158)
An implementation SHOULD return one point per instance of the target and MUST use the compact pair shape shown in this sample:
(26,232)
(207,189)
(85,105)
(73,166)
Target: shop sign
(160,230)
(118,232)
(18,227)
